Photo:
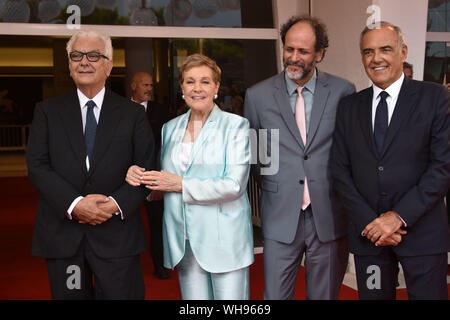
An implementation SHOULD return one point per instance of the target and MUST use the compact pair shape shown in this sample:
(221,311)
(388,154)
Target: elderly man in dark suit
(88,223)
(157,115)
(391,165)
(299,209)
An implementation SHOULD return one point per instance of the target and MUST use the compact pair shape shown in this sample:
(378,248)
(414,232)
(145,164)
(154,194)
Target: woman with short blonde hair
(205,161)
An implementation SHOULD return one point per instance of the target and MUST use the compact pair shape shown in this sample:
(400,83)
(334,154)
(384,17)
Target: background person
(157,115)
(408,69)
(205,158)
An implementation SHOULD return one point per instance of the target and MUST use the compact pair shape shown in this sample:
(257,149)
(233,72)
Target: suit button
(301,182)
(306,157)
(380,168)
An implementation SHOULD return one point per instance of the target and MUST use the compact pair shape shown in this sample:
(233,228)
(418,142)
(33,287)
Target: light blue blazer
(213,210)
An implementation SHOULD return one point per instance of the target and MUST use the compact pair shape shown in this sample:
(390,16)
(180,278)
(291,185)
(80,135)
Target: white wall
(282,11)
(345,20)
(411,17)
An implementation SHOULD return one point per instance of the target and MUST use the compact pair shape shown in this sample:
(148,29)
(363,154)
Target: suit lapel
(176,138)
(365,118)
(282,99)
(404,106)
(71,117)
(107,123)
(203,136)
(320,100)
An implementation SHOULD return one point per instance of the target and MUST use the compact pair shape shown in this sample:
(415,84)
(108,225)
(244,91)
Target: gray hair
(92,34)
(384,24)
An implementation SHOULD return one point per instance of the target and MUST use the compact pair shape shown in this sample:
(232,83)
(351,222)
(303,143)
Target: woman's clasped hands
(154,180)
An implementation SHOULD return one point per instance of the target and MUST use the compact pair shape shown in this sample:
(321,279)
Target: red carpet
(23,277)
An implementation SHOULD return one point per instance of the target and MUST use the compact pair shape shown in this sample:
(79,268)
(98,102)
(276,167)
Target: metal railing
(253,197)
(14,137)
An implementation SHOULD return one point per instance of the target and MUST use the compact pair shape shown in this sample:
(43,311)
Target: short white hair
(91,34)
(384,24)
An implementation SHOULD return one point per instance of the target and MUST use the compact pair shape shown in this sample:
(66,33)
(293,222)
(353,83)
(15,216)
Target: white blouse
(185,154)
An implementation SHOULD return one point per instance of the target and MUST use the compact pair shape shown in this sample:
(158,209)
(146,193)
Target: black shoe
(162,273)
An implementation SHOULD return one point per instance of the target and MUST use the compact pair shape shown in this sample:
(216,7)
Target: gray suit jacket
(267,107)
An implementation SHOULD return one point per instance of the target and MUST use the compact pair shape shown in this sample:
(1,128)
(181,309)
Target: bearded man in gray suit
(301,215)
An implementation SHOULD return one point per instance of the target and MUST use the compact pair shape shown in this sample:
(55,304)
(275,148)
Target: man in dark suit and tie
(88,224)
(391,166)
(301,216)
(157,115)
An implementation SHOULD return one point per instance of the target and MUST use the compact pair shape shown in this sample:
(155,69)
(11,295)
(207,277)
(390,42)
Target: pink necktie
(300,119)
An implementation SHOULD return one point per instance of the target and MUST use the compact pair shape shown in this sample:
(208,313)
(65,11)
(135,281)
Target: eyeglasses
(92,56)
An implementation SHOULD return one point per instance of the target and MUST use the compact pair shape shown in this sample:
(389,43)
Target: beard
(306,70)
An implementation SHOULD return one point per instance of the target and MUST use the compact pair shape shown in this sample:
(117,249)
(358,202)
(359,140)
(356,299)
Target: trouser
(198,284)
(114,278)
(425,276)
(155,210)
(325,263)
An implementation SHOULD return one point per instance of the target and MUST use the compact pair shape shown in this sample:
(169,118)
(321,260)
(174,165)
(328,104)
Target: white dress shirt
(144,103)
(393,90)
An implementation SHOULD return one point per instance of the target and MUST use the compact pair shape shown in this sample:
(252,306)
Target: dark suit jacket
(410,177)
(157,115)
(57,168)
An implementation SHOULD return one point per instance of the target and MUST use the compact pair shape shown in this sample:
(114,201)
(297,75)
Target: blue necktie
(90,129)
(381,121)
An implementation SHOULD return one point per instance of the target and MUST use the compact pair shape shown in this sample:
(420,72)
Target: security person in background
(157,114)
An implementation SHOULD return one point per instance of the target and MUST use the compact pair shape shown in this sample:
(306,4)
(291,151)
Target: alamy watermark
(374,19)
(74,279)
(232,147)
(74,20)
(374,280)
